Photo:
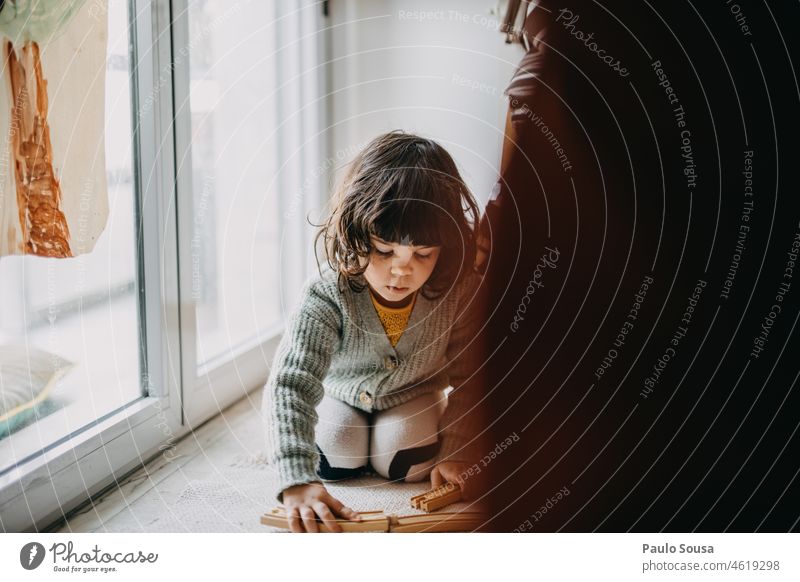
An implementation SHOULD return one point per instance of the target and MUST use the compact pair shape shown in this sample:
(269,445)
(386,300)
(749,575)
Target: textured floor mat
(236,495)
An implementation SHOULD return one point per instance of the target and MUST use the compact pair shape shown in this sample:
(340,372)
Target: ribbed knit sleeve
(461,423)
(295,388)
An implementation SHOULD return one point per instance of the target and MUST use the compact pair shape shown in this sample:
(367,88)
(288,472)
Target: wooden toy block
(437,498)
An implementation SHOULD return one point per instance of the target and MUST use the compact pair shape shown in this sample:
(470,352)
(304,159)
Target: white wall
(410,64)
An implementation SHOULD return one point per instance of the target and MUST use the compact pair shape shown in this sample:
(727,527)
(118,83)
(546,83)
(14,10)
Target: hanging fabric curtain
(53,198)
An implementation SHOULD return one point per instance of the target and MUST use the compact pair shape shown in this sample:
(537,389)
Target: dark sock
(325,471)
(407,458)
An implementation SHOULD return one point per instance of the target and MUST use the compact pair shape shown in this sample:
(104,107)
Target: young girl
(360,375)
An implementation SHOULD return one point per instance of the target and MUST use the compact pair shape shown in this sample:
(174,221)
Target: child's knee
(342,432)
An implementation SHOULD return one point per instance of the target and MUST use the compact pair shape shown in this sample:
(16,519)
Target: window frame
(43,489)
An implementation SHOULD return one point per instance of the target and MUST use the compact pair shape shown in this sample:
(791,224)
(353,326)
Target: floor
(217,480)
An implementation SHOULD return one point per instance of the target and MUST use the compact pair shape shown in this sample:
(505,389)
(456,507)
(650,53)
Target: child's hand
(453,471)
(303,503)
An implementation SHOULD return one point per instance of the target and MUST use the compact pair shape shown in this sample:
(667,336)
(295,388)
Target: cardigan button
(365,398)
(390,362)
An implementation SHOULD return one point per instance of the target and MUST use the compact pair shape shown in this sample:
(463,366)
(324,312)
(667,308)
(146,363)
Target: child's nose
(400,269)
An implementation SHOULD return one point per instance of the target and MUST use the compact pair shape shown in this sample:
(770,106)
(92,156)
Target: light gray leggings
(400,443)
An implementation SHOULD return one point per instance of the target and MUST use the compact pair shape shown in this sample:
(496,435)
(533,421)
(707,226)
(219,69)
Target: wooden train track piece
(371,521)
(438,522)
(437,498)
(377,521)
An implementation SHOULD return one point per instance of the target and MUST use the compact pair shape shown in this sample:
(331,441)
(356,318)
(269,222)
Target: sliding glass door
(240,143)
(71,326)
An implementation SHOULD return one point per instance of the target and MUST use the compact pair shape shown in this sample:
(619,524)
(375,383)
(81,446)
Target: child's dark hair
(403,189)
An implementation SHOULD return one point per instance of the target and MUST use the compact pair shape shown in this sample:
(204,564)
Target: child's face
(395,271)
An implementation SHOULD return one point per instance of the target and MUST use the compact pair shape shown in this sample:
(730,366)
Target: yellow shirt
(393,319)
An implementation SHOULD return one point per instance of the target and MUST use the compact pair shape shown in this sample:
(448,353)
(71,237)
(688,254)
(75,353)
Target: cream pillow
(26,377)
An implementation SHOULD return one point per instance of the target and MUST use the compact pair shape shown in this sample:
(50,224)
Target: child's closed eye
(389,253)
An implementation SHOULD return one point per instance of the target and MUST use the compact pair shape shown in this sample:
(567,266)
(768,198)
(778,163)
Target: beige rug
(235,497)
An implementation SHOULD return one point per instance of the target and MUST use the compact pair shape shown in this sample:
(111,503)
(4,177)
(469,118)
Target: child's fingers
(339,509)
(436,477)
(309,519)
(293,517)
(351,514)
(446,473)
(327,517)
(348,513)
